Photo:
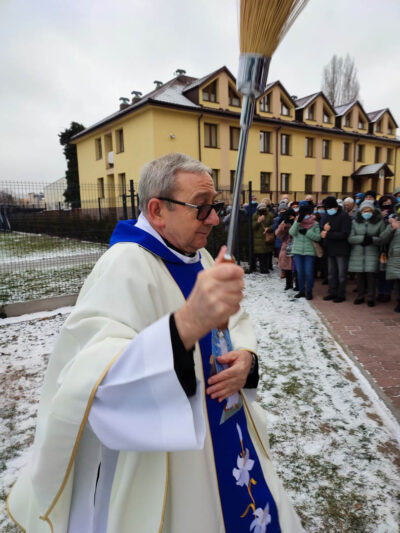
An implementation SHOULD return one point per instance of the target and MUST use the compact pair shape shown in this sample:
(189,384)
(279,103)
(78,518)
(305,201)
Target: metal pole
(124,207)
(99,202)
(132,193)
(250,222)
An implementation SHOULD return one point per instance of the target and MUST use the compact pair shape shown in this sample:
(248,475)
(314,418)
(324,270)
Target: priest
(146,422)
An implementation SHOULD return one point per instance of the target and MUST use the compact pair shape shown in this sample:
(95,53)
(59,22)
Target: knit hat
(359,195)
(282,206)
(329,202)
(303,203)
(371,193)
(261,207)
(396,191)
(367,203)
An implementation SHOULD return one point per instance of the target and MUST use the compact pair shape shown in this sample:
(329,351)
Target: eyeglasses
(203,211)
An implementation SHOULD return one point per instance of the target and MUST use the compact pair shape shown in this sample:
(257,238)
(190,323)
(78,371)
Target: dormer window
(265,103)
(326,117)
(210,92)
(285,111)
(379,126)
(390,129)
(234,99)
(360,123)
(347,120)
(310,112)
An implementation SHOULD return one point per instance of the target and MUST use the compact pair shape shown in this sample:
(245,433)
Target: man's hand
(260,219)
(323,234)
(232,379)
(215,297)
(395,223)
(327,227)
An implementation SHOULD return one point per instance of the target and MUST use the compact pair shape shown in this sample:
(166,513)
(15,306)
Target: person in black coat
(336,227)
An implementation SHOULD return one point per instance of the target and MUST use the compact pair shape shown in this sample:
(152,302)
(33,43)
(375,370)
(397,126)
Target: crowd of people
(334,239)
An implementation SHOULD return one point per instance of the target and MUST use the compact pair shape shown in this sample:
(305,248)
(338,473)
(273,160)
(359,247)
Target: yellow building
(296,145)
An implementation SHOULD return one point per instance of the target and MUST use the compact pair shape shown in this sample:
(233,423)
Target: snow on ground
(335,445)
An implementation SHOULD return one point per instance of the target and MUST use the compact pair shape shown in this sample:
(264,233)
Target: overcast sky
(72,60)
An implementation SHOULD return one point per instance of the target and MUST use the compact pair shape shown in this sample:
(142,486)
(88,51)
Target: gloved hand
(367,240)
(303,231)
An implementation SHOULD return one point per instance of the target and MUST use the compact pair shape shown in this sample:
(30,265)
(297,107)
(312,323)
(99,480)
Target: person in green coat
(368,232)
(305,231)
(393,259)
(262,221)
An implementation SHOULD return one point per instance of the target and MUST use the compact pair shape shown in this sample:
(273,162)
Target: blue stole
(246,500)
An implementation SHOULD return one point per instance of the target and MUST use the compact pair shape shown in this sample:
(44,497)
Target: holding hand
(215,297)
(367,240)
(260,219)
(231,379)
(303,231)
(327,227)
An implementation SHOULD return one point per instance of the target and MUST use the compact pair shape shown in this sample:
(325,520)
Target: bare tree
(339,80)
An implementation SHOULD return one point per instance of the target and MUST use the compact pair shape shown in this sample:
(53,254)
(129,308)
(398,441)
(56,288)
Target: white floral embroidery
(241,473)
(263,518)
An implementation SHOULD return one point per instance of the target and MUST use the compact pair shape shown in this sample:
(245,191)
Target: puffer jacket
(259,244)
(393,256)
(282,233)
(366,258)
(335,242)
(302,244)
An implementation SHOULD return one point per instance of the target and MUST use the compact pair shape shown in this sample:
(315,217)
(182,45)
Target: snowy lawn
(335,446)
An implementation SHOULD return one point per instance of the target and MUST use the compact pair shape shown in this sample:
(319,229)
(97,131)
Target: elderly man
(142,426)
(350,206)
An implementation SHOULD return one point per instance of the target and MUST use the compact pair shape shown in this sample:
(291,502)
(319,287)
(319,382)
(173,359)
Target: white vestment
(119,447)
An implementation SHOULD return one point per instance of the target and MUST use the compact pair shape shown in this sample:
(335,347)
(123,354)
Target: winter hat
(281,206)
(367,203)
(303,203)
(261,207)
(385,198)
(304,209)
(396,191)
(371,193)
(359,195)
(329,202)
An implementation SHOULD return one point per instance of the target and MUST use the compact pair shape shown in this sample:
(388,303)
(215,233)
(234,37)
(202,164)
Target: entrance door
(357,184)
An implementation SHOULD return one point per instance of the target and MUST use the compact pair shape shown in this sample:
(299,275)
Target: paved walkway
(371,335)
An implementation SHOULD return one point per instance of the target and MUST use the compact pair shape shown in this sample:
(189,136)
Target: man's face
(348,206)
(182,228)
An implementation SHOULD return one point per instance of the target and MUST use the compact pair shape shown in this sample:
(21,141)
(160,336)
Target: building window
(265,103)
(234,134)
(360,123)
(265,142)
(308,184)
(285,111)
(98,148)
(210,92)
(232,179)
(345,182)
(389,156)
(325,184)
(210,135)
(215,177)
(309,147)
(379,126)
(122,183)
(100,187)
(310,112)
(234,99)
(326,117)
(390,129)
(326,149)
(285,144)
(285,179)
(377,154)
(120,141)
(346,151)
(347,120)
(265,181)
(360,153)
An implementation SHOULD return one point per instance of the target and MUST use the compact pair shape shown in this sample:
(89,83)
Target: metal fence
(47,247)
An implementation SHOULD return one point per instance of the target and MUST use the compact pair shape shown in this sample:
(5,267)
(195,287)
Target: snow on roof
(305,100)
(342,109)
(368,170)
(375,115)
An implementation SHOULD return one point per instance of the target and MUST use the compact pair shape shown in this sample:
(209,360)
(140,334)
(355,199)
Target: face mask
(306,216)
(358,200)
(296,209)
(366,216)
(331,211)
(387,208)
(321,211)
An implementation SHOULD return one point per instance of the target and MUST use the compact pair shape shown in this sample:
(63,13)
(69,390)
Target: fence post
(132,191)
(124,208)
(99,202)
(250,240)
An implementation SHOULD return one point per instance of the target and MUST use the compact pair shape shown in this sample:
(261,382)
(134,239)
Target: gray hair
(157,178)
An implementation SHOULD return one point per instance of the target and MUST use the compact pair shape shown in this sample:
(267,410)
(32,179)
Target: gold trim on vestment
(165,495)
(254,425)
(45,517)
(10,514)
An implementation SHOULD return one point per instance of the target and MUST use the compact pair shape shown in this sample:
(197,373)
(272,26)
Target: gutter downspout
(278,129)
(199,133)
(354,160)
